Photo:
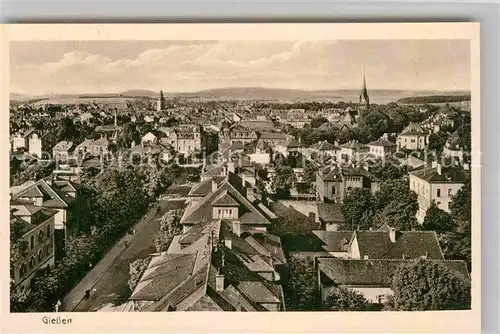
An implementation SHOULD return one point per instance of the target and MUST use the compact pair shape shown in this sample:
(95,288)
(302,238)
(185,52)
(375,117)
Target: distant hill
(435,99)
(254,93)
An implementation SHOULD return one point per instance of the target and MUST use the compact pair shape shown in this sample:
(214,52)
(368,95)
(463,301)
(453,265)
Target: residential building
(35,225)
(234,134)
(61,150)
(31,140)
(413,137)
(333,184)
(382,148)
(353,151)
(187,138)
(330,215)
(371,278)
(436,184)
(324,149)
(213,267)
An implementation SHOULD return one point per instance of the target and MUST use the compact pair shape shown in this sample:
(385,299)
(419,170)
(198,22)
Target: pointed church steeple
(363,97)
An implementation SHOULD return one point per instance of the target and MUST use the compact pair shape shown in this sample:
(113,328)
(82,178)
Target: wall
(444,201)
(372,293)
(271,306)
(35,146)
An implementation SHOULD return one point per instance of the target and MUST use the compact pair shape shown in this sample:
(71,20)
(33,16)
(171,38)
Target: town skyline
(192,66)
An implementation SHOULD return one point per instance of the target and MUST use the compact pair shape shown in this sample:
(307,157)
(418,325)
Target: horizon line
(243,87)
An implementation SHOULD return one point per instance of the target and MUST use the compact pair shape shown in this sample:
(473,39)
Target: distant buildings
(234,134)
(353,151)
(435,184)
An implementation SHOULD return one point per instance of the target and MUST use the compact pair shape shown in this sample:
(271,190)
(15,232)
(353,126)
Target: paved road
(109,277)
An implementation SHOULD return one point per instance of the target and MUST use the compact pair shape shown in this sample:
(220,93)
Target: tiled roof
(373,244)
(324,146)
(159,280)
(330,212)
(413,129)
(354,145)
(202,210)
(371,272)
(63,145)
(52,199)
(273,136)
(334,241)
(414,244)
(382,142)
(293,143)
(225,199)
(448,175)
(257,292)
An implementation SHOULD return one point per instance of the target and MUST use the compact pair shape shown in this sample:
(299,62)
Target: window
(23,270)
(438,192)
(333,190)
(450,192)
(32,262)
(40,236)
(381,299)
(48,230)
(349,188)
(32,242)
(40,256)
(438,204)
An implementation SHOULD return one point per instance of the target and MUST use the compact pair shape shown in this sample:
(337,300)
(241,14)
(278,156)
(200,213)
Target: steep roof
(414,244)
(225,199)
(330,212)
(51,198)
(324,146)
(381,142)
(204,187)
(413,129)
(249,213)
(372,272)
(334,241)
(448,175)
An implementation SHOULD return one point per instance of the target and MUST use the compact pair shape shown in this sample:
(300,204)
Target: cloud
(196,66)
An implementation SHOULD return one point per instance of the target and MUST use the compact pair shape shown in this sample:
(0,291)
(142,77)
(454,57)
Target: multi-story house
(61,150)
(324,149)
(35,225)
(353,151)
(187,138)
(234,134)
(382,148)
(364,261)
(333,184)
(31,140)
(56,195)
(435,184)
(413,137)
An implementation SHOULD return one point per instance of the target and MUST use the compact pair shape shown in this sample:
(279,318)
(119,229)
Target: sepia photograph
(242,175)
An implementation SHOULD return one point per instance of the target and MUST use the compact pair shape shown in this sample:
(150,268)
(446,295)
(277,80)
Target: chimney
(392,234)
(237,227)
(219,282)
(243,180)
(439,168)
(336,143)
(214,185)
(434,164)
(228,243)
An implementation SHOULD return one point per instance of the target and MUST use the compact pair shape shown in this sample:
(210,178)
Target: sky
(70,67)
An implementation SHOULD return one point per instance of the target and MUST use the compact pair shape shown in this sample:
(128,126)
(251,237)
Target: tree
(429,285)
(283,181)
(129,135)
(438,220)
(136,269)
(299,285)
(387,171)
(316,122)
(358,208)
(310,171)
(169,227)
(437,141)
(343,299)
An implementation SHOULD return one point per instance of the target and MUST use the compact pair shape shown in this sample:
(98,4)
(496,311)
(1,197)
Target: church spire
(363,97)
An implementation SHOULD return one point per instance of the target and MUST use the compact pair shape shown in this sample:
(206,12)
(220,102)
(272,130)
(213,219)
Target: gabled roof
(413,129)
(334,241)
(372,272)
(373,244)
(324,146)
(330,212)
(353,145)
(233,185)
(204,187)
(52,198)
(414,244)
(225,199)
(381,142)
